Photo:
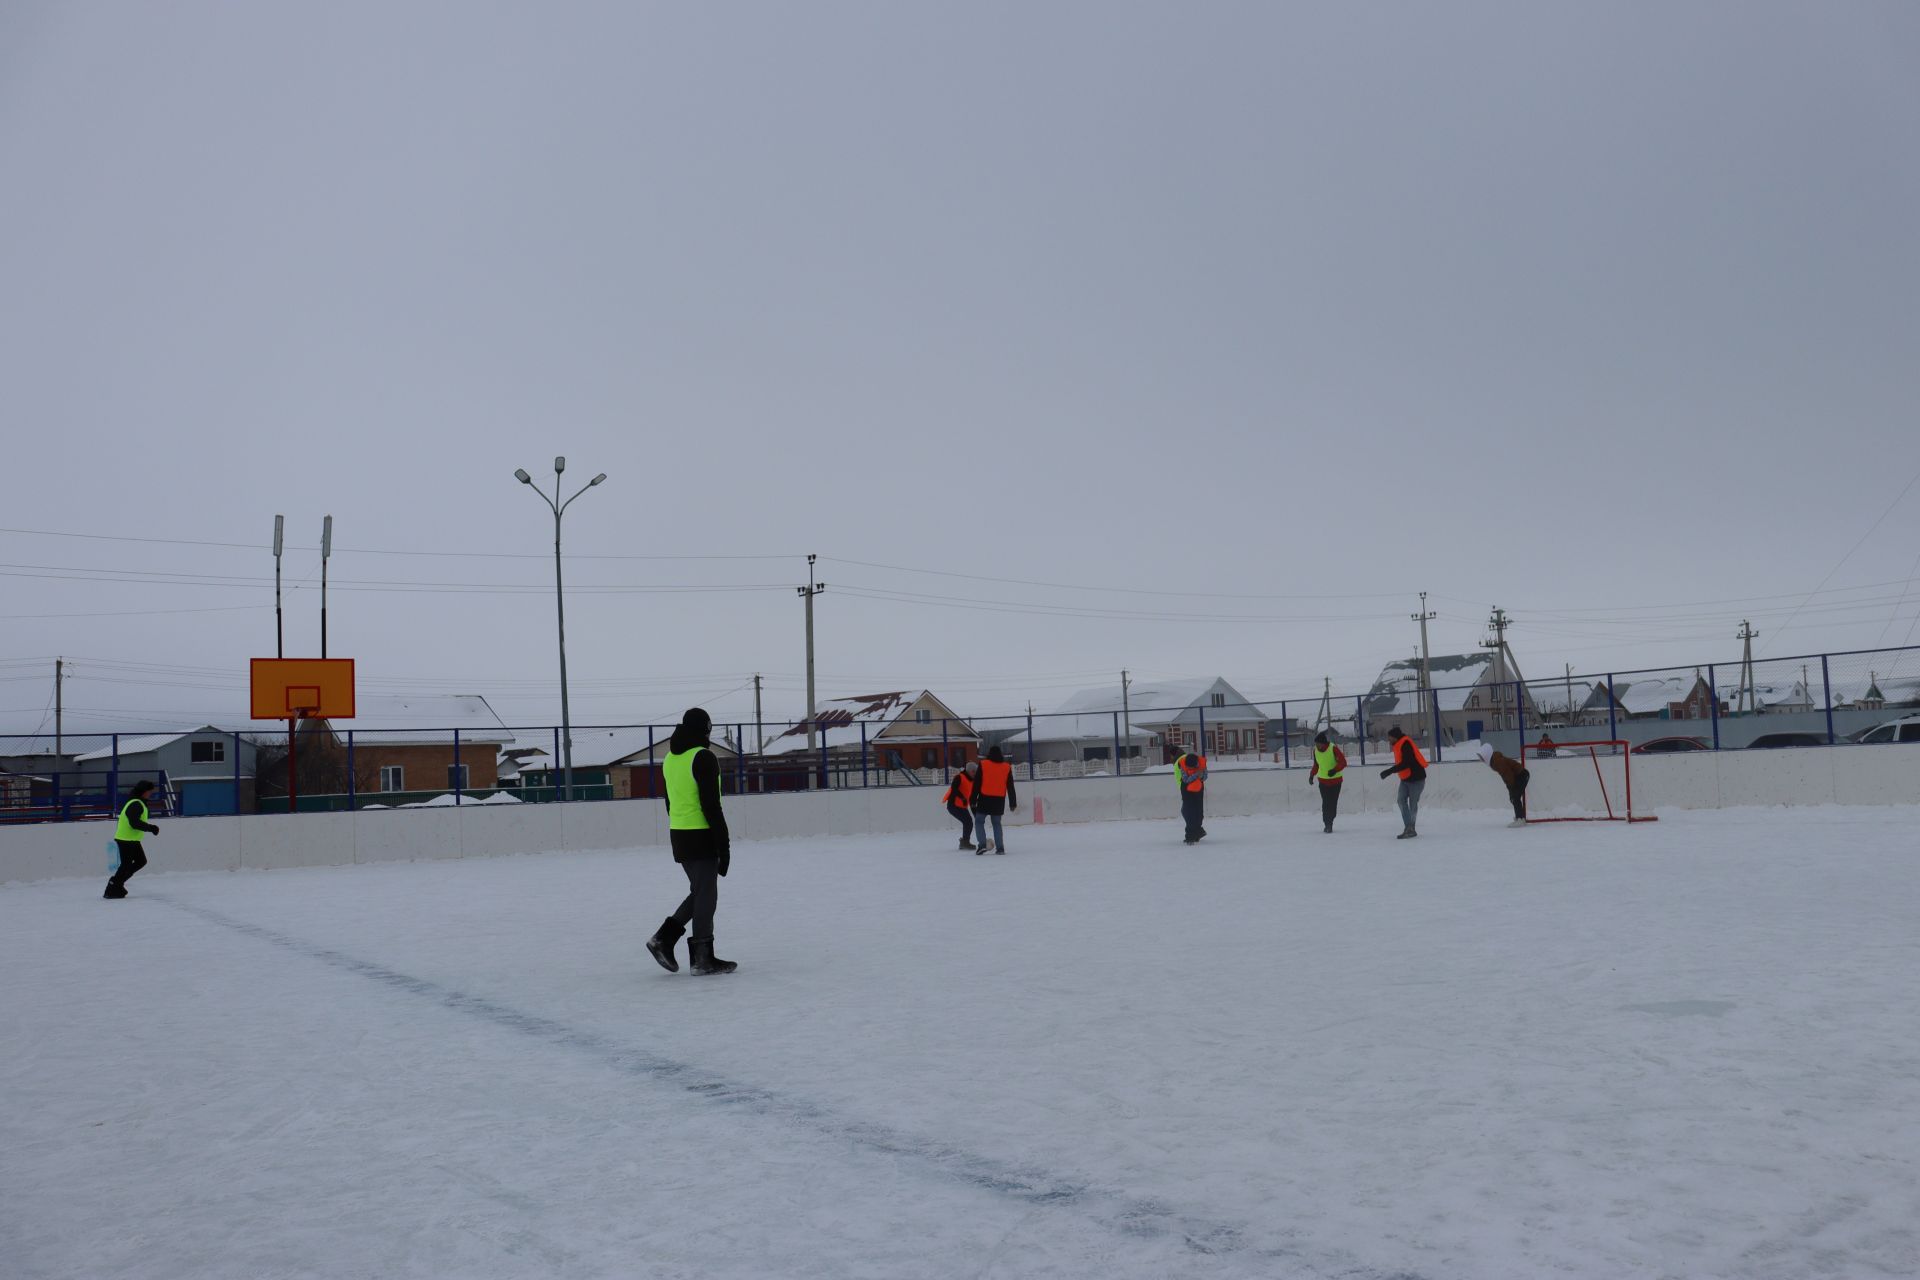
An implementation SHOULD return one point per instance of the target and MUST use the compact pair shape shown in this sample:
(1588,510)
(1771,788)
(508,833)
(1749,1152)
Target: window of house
(1219,699)
(457,777)
(929,757)
(923,717)
(209,752)
(1095,753)
(392,778)
(1233,739)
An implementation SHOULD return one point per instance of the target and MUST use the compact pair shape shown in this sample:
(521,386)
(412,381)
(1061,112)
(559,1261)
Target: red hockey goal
(1593,782)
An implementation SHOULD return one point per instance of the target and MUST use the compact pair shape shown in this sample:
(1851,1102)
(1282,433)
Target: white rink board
(1851,775)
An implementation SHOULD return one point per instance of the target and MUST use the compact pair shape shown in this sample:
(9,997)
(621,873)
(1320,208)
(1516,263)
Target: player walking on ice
(996,796)
(1190,772)
(1514,774)
(126,838)
(1412,768)
(700,844)
(1328,771)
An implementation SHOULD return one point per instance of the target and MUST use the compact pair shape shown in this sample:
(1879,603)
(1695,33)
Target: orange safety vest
(959,791)
(1198,783)
(1414,747)
(993,777)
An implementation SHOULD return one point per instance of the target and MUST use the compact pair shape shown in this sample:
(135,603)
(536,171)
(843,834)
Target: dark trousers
(966,820)
(1517,792)
(1193,807)
(132,858)
(1329,800)
(696,913)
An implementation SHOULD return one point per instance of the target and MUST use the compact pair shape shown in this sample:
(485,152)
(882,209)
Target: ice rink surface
(1685,1049)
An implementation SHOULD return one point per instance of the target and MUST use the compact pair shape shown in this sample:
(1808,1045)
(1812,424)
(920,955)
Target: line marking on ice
(1118,1212)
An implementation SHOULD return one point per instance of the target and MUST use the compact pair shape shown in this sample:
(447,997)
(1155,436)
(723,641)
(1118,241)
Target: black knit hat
(697,719)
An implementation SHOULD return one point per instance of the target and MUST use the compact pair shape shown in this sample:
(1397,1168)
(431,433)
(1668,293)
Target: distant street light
(560,604)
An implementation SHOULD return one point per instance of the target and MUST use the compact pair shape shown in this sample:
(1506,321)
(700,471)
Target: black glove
(1387,772)
(150,829)
(726,857)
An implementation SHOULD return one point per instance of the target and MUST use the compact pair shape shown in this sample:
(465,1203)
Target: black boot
(700,957)
(662,942)
(115,890)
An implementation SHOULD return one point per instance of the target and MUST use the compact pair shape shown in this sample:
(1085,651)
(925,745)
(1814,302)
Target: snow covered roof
(1396,691)
(407,720)
(1087,716)
(144,743)
(841,723)
(598,748)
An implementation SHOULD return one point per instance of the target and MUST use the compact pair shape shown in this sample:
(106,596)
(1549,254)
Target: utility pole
(808,592)
(1748,697)
(59,677)
(1324,720)
(326,550)
(759,728)
(1569,693)
(1426,672)
(1499,623)
(1126,712)
(279,631)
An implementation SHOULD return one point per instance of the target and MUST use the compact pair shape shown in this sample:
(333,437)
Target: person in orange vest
(959,800)
(995,797)
(1412,768)
(1190,772)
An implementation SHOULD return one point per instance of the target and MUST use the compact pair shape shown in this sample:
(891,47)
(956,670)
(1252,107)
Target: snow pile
(1684,1049)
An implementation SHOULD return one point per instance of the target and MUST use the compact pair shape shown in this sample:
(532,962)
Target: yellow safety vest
(1323,765)
(684,811)
(125,830)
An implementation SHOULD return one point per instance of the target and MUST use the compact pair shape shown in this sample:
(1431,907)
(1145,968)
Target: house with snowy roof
(902,729)
(1468,690)
(1655,697)
(1152,720)
(196,769)
(394,743)
(627,761)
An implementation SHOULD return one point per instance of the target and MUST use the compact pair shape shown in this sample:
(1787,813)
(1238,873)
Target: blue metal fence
(1813,700)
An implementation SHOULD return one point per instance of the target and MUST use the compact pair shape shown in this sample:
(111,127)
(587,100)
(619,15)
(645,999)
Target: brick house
(415,745)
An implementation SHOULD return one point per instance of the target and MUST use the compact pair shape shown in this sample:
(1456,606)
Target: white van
(1905,729)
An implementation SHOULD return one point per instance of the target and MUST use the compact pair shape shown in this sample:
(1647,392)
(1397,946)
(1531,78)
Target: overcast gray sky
(1607,314)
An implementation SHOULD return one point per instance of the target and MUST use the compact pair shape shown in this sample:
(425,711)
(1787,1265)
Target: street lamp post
(560,606)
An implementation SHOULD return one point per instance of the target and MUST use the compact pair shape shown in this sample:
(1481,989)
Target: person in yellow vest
(1328,771)
(698,831)
(995,797)
(1190,772)
(1412,768)
(959,800)
(126,839)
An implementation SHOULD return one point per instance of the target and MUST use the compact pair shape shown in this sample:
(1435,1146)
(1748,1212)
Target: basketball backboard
(307,688)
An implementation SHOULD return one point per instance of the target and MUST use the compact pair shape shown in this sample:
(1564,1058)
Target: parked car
(1789,740)
(1905,729)
(1661,746)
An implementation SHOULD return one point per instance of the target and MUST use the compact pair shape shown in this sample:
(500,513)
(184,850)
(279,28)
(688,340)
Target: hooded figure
(1327,773)
(996,796)
(698,830)
(129,854)
(1514,774)
(959,800)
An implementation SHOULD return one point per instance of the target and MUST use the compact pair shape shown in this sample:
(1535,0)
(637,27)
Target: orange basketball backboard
(311,688)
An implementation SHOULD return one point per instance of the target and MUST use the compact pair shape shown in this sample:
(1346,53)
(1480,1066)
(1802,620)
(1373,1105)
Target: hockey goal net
(1587,781)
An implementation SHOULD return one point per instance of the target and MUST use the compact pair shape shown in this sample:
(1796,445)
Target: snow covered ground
(1684,1049)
